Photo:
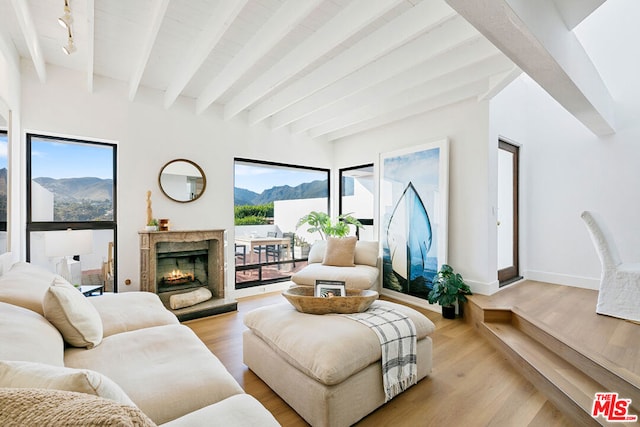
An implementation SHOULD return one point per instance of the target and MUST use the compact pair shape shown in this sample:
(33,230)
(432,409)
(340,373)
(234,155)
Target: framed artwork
(330,288)
(414,193)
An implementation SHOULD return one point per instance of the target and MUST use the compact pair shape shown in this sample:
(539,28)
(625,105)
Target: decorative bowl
(356,301)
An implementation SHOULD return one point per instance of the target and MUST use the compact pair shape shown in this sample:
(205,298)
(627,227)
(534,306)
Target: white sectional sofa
(58,347)
(359,270)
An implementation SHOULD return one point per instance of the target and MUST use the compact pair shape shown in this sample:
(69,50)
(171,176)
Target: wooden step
(610,375)
(568,377)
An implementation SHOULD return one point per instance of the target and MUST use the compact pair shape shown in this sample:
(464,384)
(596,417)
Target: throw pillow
(316,253)
(75,317)
(18,374)
(367,253)
(340,251)
(58,408)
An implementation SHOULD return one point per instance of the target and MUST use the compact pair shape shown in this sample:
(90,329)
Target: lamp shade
(68,242)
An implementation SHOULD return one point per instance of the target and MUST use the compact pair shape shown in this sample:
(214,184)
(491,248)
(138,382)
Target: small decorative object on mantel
(448,289)
(152,225)
(164,224)
(149,210)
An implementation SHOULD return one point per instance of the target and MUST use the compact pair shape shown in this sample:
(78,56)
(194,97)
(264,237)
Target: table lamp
(67,244)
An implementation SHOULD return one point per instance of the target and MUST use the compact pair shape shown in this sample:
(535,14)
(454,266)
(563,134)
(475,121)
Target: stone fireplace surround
(213,240)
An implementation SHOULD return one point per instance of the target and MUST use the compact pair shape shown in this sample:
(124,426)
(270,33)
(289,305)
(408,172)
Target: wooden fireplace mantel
(148,260)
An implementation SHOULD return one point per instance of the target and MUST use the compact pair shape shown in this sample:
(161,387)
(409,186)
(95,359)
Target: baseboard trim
(562,279)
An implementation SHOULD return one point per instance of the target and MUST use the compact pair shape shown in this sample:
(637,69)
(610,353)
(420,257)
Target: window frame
(40,226)
(260,281)
(363,221)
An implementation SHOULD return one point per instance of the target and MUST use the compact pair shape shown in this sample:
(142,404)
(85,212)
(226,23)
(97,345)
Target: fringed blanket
(397,335)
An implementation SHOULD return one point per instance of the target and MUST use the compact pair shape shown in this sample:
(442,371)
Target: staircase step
(568,367)
(610,375)
(568,388)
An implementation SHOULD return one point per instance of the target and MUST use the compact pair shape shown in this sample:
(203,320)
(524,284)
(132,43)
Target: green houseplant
(448,288)
(321,223)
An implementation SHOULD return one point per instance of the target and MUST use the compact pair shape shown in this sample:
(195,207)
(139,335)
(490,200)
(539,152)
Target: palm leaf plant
(320,222)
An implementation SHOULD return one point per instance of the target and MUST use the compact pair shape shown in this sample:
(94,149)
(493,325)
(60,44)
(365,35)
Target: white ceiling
(330,68)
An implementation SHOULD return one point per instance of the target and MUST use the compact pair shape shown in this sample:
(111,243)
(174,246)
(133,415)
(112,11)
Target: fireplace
(175,262)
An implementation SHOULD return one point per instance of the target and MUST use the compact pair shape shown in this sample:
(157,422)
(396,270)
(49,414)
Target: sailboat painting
(413,200)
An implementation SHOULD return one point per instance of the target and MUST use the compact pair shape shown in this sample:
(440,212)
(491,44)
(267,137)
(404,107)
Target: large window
(71,208)
(357,187)
(269,200)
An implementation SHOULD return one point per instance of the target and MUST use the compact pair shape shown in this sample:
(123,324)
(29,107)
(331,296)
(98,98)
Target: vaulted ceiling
(328,68)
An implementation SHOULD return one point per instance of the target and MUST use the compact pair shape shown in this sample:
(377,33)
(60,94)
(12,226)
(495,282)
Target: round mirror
(182,180)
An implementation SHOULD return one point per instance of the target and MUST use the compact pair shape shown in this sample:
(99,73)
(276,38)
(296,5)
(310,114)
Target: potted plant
(448,289)
(301,247)
(321,223)
(152,225)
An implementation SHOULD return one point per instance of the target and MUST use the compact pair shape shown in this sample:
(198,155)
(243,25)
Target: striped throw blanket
(397,335)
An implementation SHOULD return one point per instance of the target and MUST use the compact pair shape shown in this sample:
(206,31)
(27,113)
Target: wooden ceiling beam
(25,21)
(286,18)
(157,16)
(402,96)
(410,24)
(435,102)
(221,18)
(432,69)
(90,43)
(453,34)
(353,18)
(535,37)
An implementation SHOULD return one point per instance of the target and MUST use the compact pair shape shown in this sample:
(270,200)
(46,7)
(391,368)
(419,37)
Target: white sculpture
(619,294)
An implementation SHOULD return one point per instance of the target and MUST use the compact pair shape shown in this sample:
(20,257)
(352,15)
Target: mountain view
(307,190)
(80,199)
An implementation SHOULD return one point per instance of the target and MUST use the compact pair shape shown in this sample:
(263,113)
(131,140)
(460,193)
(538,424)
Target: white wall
(466,126)
(566,169)
(148,136)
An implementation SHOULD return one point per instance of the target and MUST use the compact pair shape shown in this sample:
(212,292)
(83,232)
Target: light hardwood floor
(471,384)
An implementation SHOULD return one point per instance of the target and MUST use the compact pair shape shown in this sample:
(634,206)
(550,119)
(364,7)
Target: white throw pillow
(316,253)
(17,374)
(367,253)
(76,318)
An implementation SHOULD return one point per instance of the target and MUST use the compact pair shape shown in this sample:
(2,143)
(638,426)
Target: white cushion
(241,410)
(20,374)
(168,371)
(26,335)
(25,285)
(76,318)
(367,253)
(128,311)
(358,277)
(316,253)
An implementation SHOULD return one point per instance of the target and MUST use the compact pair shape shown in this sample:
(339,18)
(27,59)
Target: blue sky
(258,178)
(69,160)
(3,151)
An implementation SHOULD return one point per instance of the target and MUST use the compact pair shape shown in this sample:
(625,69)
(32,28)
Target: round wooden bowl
(356,301)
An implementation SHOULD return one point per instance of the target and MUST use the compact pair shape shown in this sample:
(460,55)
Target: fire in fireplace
(182,266)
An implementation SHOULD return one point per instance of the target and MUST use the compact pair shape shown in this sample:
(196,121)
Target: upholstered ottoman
(326,367)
